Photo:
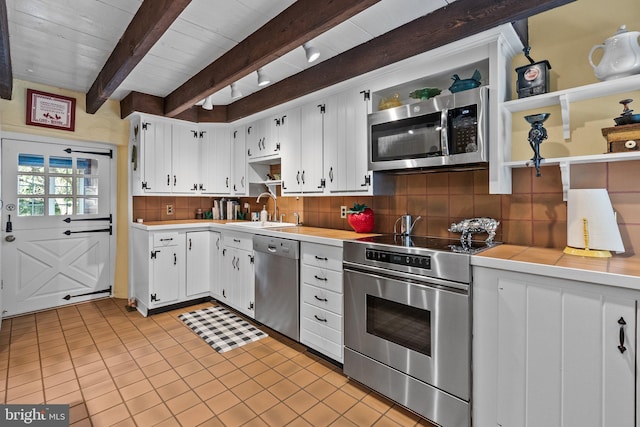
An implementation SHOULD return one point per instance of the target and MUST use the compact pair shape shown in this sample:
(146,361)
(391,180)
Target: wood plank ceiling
(159,64)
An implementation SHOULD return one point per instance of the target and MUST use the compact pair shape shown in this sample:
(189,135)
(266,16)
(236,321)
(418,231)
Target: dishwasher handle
(272,248)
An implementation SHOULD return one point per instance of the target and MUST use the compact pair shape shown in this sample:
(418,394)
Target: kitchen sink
(259,224)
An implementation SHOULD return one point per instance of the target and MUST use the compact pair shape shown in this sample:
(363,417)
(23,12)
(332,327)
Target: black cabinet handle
(319,318)
(175,259)
(189,244)
(320,299)
(324,279)
(322,258)
(168,180)
(622,324)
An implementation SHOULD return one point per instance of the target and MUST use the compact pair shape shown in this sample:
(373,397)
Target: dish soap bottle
(264,215)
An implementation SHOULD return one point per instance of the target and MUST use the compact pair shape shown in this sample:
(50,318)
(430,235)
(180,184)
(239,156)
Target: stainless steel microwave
(447,130)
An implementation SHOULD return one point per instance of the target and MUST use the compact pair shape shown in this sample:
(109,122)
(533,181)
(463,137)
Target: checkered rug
(221,329)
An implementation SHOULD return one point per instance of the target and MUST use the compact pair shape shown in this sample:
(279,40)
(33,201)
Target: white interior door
(57,224)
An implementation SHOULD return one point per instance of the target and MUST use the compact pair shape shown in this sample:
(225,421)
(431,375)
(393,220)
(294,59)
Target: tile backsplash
(534,214)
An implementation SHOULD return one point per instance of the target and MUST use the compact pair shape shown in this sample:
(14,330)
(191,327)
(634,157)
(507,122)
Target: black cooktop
(432,243)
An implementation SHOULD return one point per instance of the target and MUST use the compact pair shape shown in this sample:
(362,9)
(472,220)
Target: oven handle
(430,282)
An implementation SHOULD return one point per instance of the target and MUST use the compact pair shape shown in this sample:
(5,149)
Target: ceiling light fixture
(263,79)
(208,103)
(235,92)
(311,52)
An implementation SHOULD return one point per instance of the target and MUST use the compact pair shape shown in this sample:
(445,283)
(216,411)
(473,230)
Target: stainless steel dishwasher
(277,284)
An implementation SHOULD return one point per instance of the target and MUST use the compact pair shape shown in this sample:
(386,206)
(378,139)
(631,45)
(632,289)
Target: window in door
(51,186)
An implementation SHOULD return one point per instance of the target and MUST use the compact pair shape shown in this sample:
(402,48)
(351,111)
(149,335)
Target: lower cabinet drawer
(322,298)
(165,239)
(309,336)
(322,278)
(321,317)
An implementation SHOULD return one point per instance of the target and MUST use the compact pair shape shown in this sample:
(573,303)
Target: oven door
(417,328)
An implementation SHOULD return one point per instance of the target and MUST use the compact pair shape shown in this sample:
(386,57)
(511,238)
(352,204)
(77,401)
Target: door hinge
(277,147)
(195,133)
(323,108)
(277,122)
(323,183)
(367,181)
(366,95)
(153,254)
(202,132)
(145,125)
(154,297)
(145,186)
(250,305)
(251,258)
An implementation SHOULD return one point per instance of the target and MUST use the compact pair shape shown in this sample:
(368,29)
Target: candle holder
(537,134)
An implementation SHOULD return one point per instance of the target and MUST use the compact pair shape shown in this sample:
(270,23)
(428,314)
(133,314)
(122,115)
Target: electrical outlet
(343,211)
(169,209)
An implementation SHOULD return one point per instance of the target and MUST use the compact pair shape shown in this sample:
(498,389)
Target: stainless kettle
(405,225)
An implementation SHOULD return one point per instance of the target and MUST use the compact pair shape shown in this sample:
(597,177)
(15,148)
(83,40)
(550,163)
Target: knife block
(618,137)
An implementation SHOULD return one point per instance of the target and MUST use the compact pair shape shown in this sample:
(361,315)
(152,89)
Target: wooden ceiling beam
(151,21)
(299,23)
(6,74)
(460,19)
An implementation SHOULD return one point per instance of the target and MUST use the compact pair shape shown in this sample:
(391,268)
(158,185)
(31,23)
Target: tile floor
(115,367)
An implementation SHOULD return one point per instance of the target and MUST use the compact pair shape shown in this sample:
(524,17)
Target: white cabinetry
(216,274)
(215,159)
(158,268)
(237,286)
(345,142)
(302,161)
(238,161)
(179,157)
(331,154)
(547,351)
(321,306)
(199,265)
(265,137)
(185,156)
(151,163)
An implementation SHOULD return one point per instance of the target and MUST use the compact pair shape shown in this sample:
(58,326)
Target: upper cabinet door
(156,155)
(311,160)
(239,162)
(347,167)
(253,139)
(290,146)
(215,159)
(186,154)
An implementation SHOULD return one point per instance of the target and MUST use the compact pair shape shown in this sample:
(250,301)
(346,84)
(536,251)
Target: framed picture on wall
(51,110)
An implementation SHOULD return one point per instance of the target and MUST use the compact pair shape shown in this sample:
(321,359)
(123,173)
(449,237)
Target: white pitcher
(621,55)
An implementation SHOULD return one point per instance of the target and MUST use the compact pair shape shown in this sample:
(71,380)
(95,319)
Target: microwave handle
(444,138)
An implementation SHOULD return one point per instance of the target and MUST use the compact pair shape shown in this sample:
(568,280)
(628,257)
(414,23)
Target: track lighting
(311,52)
(235,92)
(263,79)
(208,103)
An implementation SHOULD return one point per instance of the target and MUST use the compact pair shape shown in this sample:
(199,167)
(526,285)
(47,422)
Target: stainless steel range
(408,322)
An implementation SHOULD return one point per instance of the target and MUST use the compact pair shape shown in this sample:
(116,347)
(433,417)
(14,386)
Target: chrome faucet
(275,206)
